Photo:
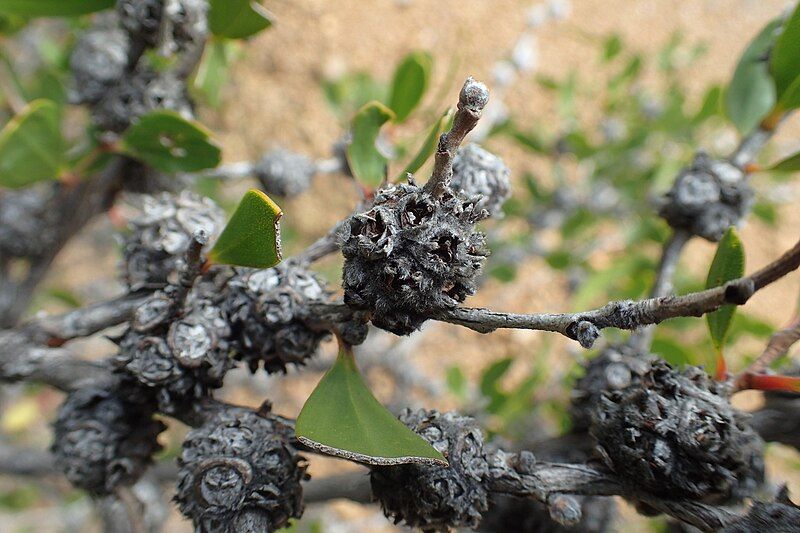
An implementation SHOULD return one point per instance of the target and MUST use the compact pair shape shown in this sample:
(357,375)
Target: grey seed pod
(614,368)
(477,172)
(436,498)
(137,93)
(27,222)
(675,434)
(98,61)
(412,255)
(178,360)
(189,23)
(264,310)
(103,440)
(161,235)
(141,19)
(285,173)
(238,472)
(707,197)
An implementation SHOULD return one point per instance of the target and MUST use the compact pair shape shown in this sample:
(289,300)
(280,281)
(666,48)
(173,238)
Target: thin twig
(584,326)
(471,101)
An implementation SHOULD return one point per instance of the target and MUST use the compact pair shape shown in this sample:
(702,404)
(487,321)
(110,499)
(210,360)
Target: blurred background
(595,106)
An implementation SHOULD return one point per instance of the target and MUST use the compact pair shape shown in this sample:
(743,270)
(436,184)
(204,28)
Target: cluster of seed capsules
(112,72)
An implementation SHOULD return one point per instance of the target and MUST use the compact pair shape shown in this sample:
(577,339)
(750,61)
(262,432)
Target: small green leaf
(788,164)
(53,8)
(367,163)
(784,59)
(171,143)
(751,93)
(343,418)
(456,381)
(252,237)
(728,264)
(31,145)
(409,84)
(214,69)
(237,19)
(429,145)
(612,46)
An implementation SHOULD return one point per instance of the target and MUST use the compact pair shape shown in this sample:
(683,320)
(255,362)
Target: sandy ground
(274,98)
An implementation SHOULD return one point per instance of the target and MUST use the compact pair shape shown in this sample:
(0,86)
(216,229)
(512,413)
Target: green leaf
(430,144)
(212,74)
(490,380)
(343,418)
(53,8)
(456,381)
(728,264)
(252,237)
(751,92)
(788,164)
(612,46)
(784,59)
(367,163)
(409,84)
(237,19)
(167,141)
(31,145)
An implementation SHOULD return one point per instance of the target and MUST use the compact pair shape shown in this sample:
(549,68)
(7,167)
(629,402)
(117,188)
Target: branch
(352,486)
(54,330)
(471,101)
(584,326)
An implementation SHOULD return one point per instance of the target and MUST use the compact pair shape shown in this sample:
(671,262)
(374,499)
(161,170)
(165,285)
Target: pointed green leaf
(214,69)
(343,418)
(237,19)
(167,141)
(53,8)
(367,163)
(429,145)
(784,59)
(252,237)
(409,84)
(31,145)
(728,264)
(751,93)
(788,164)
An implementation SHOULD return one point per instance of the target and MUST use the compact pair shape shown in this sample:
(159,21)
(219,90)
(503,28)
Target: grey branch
(56,329)
(585,326)
(778,346)
(471,101)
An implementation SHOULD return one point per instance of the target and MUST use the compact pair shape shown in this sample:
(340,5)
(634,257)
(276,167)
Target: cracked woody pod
(103,441)
(161,234)
(284,173)
(477,172)
(264,310)
(614,368)
(177,358)
(98,62)
(186,20)
(436,498)
(411,256)
(707,198)
(676,435)
(238,473)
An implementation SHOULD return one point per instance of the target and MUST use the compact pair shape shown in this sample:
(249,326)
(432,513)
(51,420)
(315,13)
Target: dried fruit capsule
(28,224)
(412,255)
(137,93)
(186,20)
(479,172)
(98,62)
(613,368)
(239,472)
(161,235)
(285,173)
(265,307)
(676,435)
(707,198)
(141,18)
(179,359)
(436,498)
(103,440)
